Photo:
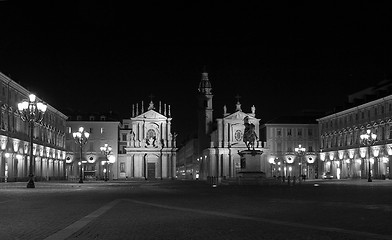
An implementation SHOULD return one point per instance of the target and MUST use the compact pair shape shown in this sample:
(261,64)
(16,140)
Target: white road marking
(290,224)
(76,226)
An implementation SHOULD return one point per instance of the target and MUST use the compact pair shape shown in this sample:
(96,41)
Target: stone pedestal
(251,165)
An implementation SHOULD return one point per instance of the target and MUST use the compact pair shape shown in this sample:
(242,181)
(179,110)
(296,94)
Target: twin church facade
(147,146)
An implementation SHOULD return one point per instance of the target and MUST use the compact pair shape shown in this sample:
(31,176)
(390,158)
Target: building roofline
(26,92)
(368,104)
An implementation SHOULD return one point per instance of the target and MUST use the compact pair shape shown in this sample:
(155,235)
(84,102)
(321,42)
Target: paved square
(194,210)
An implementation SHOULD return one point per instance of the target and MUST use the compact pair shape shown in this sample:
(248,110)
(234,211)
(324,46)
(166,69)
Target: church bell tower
(204,111)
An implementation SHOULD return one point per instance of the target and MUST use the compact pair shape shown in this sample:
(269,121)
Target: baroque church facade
(216,152)
(147,146)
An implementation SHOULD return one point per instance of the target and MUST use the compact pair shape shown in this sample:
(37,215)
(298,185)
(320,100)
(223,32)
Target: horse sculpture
(250,136)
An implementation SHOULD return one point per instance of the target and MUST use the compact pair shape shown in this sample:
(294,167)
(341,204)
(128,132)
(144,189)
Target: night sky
(283,58)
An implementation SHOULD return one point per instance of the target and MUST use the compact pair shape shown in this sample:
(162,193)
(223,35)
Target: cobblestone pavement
(322,209)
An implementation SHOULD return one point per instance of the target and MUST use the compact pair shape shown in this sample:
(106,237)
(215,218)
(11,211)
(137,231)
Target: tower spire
(205,84)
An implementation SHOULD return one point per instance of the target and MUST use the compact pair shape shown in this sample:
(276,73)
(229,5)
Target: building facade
(214,153)
(147,144)
(48,139)
(343,154)
(92,162)
(283,135)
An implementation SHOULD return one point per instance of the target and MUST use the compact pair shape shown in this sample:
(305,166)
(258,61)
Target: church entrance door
(151,170)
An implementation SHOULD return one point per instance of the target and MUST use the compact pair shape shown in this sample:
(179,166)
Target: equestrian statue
(250,136)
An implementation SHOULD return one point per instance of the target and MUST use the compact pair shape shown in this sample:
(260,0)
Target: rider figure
(249,133)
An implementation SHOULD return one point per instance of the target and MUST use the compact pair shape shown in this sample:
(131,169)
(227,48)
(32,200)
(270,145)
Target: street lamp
(272,162)
(300,151)
(81,138)
(369,139)
(32,111)
(106,150)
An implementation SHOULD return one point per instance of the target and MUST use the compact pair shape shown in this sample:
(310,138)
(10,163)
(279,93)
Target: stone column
(390,166)
(164,136)
(225,133)
(169,139)
(220,133)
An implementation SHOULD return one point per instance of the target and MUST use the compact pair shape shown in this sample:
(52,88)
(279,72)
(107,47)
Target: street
(335,209)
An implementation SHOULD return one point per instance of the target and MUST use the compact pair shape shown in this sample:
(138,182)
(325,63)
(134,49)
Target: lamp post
(106,150)
(271,161)
(81,138)
(369,139)
(300,151)
(32,111)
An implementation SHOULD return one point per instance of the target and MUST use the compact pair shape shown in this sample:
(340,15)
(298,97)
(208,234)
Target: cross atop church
(151,106)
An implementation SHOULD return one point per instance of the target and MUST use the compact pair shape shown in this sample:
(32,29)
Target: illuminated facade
(49,138)
(147,144)
(343,154)
(102,131)
(283,135)
(214,154)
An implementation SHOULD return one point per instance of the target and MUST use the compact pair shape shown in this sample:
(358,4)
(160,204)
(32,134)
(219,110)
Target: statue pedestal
(250,166)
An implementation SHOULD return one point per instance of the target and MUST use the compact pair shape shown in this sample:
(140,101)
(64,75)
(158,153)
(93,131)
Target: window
(310,149)
(278,132)
(279,146)
(91,118)
(69,130)
(122,167)
(289,149)
(289,132)
(91,130)
(126,126)
(124,137)
(102,131)
(238,135)
(150,134)
(299,132)
(390,132)
(310,132)
(103,118)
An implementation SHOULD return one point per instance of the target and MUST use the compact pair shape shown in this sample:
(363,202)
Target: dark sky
(283,58)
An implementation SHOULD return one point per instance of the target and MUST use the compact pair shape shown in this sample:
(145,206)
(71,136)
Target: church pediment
(150,114)
(239,115)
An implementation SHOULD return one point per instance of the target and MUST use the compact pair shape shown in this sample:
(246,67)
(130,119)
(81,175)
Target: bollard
(294,178)
(288,180)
